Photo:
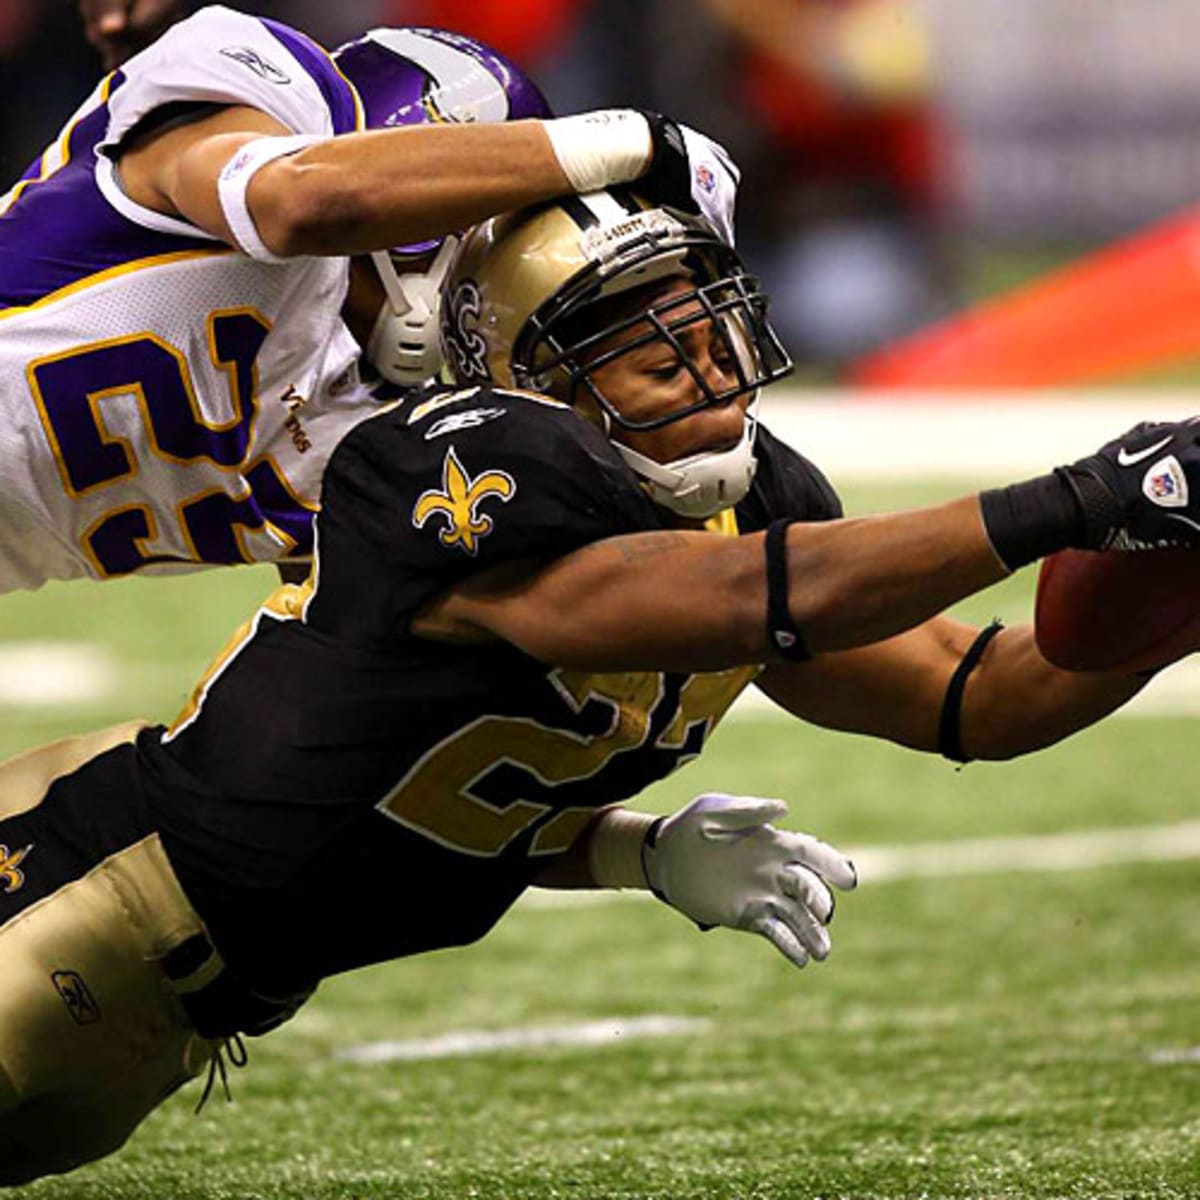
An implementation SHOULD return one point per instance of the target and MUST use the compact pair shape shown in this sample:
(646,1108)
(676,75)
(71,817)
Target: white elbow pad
(235,178)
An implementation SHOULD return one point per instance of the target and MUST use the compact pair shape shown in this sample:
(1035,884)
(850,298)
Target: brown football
(1118,610)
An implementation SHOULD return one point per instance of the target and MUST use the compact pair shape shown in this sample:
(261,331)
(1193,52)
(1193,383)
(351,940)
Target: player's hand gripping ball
(1132,602)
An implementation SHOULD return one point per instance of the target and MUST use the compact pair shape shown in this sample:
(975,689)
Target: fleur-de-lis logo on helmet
(11,876)
(458,503)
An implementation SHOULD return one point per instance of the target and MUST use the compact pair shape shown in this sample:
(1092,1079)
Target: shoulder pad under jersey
(219,56)
(435,490)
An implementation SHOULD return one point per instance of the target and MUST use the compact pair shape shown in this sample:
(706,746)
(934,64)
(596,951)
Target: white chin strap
(700,485)
(403,346)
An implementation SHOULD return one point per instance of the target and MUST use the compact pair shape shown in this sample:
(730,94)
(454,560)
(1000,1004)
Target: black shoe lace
(233,1049)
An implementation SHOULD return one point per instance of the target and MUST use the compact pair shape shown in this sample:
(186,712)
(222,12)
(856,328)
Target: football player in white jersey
(176,362)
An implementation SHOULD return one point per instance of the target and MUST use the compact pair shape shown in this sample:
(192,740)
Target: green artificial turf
(980,1036)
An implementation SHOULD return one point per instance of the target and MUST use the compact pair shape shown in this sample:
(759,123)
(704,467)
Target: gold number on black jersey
(437,797)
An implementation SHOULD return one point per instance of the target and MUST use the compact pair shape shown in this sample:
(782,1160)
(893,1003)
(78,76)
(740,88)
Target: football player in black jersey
(535,592)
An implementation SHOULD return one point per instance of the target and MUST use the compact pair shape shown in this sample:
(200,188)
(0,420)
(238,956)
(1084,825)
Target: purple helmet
(417,76)
(412,76)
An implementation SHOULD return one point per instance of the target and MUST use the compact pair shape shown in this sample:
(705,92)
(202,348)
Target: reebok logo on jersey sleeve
(458,501)
(262,67)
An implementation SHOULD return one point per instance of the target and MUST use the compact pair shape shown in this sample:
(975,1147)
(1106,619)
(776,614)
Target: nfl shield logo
(706,179)
(1162,486)
(1165,483)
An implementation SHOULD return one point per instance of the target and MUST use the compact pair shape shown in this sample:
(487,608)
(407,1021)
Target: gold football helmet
(534,300)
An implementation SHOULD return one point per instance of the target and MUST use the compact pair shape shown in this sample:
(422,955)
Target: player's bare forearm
(367,191)
(690,601)
(572,870)
(859,581)
(1016,702)
(350,194)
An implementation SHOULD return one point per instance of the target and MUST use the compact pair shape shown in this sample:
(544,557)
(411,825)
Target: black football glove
(1142,490)
(668,179)
(690,172)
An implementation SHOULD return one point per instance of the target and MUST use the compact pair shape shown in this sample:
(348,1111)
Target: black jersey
(343,791)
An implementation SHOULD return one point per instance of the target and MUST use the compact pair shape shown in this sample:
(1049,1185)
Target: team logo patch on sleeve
(12,878)
(458,503)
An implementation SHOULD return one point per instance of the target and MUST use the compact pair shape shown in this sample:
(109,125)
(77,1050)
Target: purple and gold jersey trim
(79,285)
(59,153)
(345,109)
(58,231)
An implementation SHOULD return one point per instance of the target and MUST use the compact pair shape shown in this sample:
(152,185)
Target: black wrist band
(648,843)
(782,632)
(1026,521)
(1100,517)
(949,734)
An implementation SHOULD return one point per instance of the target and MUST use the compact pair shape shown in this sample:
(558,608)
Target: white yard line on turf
(911,435)
(971,856)
(1174,1057)
(44,674)
(611,1032)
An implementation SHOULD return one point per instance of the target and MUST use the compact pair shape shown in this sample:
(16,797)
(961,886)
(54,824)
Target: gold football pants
(92,1033)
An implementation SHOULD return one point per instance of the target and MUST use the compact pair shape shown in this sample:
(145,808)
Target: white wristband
(596,149)
(235,178)
(615,849)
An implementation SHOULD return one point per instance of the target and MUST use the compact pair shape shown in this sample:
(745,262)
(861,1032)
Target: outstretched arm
(1013,702)
(690,601)
(371,190)
(349,194)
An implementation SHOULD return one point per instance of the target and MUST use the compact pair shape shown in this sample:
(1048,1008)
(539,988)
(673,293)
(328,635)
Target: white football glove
(676,166)
(715,179)
(720,862)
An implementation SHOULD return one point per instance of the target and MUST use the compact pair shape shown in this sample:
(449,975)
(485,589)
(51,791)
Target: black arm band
(782,631)
(949,735)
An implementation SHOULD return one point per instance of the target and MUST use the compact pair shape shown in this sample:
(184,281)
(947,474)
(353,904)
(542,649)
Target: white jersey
(165,401)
